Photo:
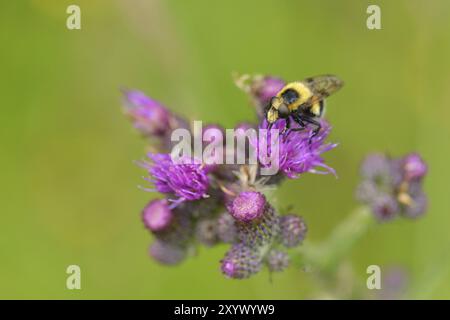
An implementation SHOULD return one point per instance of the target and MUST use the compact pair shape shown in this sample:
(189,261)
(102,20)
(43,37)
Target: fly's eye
(283,111)
(290,96)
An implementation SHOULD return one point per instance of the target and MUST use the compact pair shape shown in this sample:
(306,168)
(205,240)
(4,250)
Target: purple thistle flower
(414,167)
(167,253)
(417,207)
(148,116)
(413,200)
(260,89)
(292,230)
(298,153)
(391,186)
(376,165)
(212,137)
(385,207)
(186,181)
(240,262)
(152,119)
(157,215)
(248,206)
(382,171)
(277,260)
(267,87)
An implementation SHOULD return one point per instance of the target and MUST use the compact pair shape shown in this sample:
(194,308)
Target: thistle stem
(326,256)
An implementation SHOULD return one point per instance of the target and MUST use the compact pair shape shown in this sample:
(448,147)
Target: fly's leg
(316,124)
(300,122)
(287,126)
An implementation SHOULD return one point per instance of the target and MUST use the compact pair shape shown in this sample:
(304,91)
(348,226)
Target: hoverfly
(302,102)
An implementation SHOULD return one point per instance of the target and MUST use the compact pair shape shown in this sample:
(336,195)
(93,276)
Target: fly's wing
(322,87)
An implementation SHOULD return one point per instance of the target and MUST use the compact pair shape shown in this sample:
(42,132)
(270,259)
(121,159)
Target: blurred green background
(68,186)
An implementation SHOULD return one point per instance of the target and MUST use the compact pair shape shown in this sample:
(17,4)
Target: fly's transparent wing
(323,86)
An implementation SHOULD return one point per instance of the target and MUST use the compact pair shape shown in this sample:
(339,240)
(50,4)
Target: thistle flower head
(264,88)
(185,180)
(201,192)
(167,253)
(204,207)
(260,89)
(385,207)
(379,177)
(212,137)
(292,230)
(179,231)
(157,215)
(148,116)
(248,206)
(260,232)
(414,167)
(206,232)
(226,228)
(392,186)
(299,152)
(379,169)
(240,262)
(417,206)
(277,260)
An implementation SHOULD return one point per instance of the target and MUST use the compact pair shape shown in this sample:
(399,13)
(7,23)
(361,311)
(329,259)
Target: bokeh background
(68,182)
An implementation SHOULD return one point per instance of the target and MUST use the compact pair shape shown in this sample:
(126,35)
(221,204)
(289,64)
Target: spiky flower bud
(240,262)
(206,232)
(261,231)
(157,215)
(414,167)
(293,230)
(180,230)
(385,207)
(167,253)
(277,260)
(226,228)
(203,207)
(380,170)
(417,206)
(248,206)
(148,116)
(152,119)
(260,89)
(393,185)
